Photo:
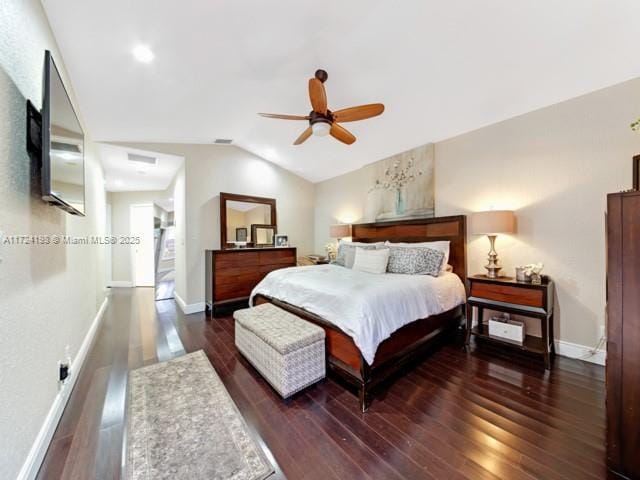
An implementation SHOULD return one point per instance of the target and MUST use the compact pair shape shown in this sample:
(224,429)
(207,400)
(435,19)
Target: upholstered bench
(286,350)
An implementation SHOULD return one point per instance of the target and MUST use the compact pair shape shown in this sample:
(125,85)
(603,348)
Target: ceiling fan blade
(303,136)
(318,96)
(285,117)
(358,113)
(342,134)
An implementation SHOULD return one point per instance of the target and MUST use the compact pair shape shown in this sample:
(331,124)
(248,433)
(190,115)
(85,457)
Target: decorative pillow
(442,245)
(347,252)
(371,261)
(415,261)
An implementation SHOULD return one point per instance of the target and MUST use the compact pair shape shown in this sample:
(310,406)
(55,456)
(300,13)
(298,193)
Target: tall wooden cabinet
(231,274)
(623,334)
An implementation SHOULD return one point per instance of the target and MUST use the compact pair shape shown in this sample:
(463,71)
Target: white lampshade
(320,129)
(492,222)
(340,231)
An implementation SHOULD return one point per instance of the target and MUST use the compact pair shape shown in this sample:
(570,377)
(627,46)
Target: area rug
(183,424)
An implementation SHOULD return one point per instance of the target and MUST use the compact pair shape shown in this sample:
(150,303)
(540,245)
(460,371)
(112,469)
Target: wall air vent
(65,147)
(223,141)
(134,157)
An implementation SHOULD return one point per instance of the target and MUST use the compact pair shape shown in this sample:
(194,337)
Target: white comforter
(366,306)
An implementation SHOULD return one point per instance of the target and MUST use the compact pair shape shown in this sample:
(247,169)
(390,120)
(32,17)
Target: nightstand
(505,294)
(317,260)
(312,260)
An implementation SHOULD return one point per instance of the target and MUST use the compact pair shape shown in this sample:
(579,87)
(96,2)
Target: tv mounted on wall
(56,141)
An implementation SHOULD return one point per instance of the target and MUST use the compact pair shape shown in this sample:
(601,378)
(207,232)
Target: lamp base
(493,266)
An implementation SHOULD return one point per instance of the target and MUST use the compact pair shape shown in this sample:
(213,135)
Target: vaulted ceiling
(441,68)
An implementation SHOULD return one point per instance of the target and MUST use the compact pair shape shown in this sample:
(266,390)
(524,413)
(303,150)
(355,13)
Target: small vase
(399,202)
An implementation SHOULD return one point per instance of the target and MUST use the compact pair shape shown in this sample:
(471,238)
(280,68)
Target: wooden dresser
(232,274)
(623,334)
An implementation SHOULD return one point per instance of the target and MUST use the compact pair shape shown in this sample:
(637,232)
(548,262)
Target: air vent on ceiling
(223,141)
(134,157)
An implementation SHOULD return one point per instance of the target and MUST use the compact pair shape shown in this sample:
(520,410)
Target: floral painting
(401,186)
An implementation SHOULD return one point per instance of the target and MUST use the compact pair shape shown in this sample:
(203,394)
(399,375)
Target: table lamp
(339,231)
(492,223)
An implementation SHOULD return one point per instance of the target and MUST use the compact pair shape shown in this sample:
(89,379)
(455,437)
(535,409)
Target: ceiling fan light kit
(323,121)
(321,129)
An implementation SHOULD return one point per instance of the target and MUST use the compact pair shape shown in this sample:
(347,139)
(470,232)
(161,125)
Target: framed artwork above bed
(401,187)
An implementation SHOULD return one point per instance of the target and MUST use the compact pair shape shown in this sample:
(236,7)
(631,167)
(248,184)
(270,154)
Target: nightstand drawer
(508,294)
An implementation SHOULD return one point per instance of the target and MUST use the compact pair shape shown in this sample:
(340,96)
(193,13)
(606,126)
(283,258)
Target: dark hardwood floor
(453,416)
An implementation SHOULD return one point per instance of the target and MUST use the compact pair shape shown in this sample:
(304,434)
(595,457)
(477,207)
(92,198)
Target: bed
(368,352)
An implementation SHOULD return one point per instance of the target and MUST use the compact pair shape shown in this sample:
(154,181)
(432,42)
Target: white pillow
(347,251)
(371,261)
(442,245)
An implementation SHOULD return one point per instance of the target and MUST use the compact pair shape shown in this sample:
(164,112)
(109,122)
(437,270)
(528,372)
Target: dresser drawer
(236,259)
(508,294)
(282,257)
(235,290)
(226,276)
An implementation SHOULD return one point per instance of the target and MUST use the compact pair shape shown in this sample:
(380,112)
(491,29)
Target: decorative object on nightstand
(509,296)
(530,273)
(491,223)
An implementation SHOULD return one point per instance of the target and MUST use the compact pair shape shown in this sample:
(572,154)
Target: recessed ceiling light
(143,54)
(119,183)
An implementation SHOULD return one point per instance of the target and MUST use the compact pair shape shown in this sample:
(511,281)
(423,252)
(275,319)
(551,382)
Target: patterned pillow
(415,261)
(347,252)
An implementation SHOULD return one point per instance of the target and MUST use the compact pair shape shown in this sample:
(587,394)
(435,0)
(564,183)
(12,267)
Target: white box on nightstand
(510,330)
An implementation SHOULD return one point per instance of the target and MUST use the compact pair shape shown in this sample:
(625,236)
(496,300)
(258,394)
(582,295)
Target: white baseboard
(189,308)
(581,352)
(39,448)
(121,283)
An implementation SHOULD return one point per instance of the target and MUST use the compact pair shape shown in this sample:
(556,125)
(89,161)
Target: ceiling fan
(323,121)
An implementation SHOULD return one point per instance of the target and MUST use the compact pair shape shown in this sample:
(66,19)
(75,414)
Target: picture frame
(241,234)
(281,240)
(636,172)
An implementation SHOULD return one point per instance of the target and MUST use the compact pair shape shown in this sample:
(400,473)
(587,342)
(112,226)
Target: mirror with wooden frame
(247,221)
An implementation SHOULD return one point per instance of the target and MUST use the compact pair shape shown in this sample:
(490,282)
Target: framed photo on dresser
(636,172)
(281,240)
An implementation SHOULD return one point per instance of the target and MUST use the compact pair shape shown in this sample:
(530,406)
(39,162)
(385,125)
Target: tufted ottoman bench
(286,350)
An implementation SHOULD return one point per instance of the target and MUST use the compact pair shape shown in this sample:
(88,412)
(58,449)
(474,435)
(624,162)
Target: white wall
(211,169)
(121,227)
(49,295)
(179,220)
(554,167)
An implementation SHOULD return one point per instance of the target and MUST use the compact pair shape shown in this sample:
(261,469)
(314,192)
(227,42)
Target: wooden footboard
(402,348)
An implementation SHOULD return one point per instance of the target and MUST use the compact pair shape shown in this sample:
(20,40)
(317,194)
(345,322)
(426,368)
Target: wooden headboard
(452,228)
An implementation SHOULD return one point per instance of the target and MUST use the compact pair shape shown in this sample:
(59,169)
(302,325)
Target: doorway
(164,249)
(141,217)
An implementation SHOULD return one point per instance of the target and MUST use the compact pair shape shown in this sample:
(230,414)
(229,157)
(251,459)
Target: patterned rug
(183,424)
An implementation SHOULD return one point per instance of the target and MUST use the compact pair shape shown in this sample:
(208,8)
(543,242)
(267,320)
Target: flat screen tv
(59,145)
